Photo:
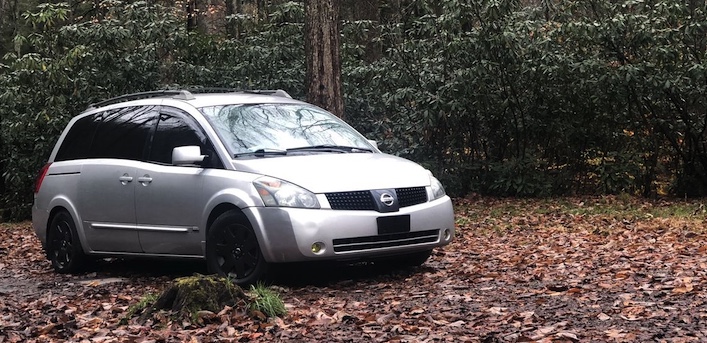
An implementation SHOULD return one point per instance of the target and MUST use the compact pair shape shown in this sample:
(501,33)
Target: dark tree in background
(368,12)
(322,46)
(191,15)
(10,13)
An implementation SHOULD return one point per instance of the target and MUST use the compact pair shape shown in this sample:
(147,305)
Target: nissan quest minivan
(240,179)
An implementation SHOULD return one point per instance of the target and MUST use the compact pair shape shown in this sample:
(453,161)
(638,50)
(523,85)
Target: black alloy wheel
(64,249)
(232,249)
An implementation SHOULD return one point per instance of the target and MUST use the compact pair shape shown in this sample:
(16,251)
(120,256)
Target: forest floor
(598,269)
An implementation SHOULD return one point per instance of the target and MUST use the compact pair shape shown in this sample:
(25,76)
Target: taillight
(40,178)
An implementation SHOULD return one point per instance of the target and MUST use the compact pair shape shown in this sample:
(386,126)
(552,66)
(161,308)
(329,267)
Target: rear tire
(64,248)
(232,249)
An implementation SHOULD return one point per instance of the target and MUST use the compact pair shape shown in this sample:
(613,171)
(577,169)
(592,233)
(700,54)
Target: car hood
(338,172)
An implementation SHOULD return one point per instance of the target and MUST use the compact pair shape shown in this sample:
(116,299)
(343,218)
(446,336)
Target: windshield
(250,128)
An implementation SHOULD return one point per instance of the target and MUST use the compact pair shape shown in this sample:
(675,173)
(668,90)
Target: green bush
(491,95)
(62,67)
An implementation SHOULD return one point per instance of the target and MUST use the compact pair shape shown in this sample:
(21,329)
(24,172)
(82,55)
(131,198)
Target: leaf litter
(602,269)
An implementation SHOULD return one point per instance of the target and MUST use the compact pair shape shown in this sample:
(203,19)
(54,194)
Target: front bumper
(288,234)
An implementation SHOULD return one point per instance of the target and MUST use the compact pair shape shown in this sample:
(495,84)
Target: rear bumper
(40,218)
(287,234)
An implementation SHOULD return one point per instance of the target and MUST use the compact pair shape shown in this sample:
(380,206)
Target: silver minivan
(241,179)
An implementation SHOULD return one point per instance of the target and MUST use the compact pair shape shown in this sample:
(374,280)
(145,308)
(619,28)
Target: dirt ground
(518,271)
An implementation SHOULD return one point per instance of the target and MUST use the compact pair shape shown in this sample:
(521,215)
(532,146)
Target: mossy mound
(188,296)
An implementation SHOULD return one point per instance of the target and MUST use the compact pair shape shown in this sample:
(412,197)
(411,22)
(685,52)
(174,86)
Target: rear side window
(122,133)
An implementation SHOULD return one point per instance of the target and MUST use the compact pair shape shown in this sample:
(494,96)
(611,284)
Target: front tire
(232,249)
(64,249)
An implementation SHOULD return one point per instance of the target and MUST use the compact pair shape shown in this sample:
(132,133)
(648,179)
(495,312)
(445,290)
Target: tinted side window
(173,131)
(78,140)
(122,133)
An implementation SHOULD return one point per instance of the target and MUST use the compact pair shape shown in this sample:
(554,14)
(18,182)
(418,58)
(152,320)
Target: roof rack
(274,92)
(206,90)
(185,94)
(177,94)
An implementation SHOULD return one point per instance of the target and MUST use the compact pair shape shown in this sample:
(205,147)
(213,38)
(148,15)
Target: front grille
(411,196)
(364,201)
(357,201)
(385,241)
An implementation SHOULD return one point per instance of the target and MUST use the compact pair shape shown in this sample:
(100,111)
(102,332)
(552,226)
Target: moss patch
(187,296)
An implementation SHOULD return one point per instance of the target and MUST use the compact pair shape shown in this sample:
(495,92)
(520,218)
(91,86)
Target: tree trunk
(208,16)
(9,22)
(232,7)
(191,15)
(323,60)
(391,12)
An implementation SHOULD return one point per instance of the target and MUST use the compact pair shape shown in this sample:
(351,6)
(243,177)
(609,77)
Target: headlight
(437,188)
(275,192)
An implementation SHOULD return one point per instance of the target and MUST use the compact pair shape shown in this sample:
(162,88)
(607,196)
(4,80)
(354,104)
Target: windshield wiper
(262,152)
(330,148)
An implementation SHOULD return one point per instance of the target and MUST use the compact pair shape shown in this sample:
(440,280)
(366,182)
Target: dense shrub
(63,67)
(493,96)
(576,97)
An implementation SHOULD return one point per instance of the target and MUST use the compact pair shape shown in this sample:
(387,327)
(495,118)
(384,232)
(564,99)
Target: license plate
(393,224)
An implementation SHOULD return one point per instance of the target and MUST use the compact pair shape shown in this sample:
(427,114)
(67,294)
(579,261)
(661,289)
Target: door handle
(144,180)
(125,179)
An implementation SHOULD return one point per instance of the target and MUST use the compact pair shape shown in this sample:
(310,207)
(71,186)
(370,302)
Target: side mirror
(187,156)
(373,142)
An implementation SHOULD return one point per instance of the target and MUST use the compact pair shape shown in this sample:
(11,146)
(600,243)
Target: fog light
(447,234)
(318,248)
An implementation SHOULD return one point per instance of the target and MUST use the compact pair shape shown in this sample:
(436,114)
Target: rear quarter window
(77,142)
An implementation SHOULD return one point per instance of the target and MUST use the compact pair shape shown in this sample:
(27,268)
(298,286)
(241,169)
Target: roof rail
(274,92)
(206,90)
(185,94)
(177,94)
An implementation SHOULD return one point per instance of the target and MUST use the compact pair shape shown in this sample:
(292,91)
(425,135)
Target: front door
(167,205)
(169,199)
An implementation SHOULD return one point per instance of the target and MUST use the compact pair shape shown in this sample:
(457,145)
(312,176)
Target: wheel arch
(241,201)
(217,211)
(55,210)
(69,255)
(262,237)
(222,202)
(60,204)
(233,214)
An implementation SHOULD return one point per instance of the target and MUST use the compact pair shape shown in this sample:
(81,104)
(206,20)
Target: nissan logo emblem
(387,199)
